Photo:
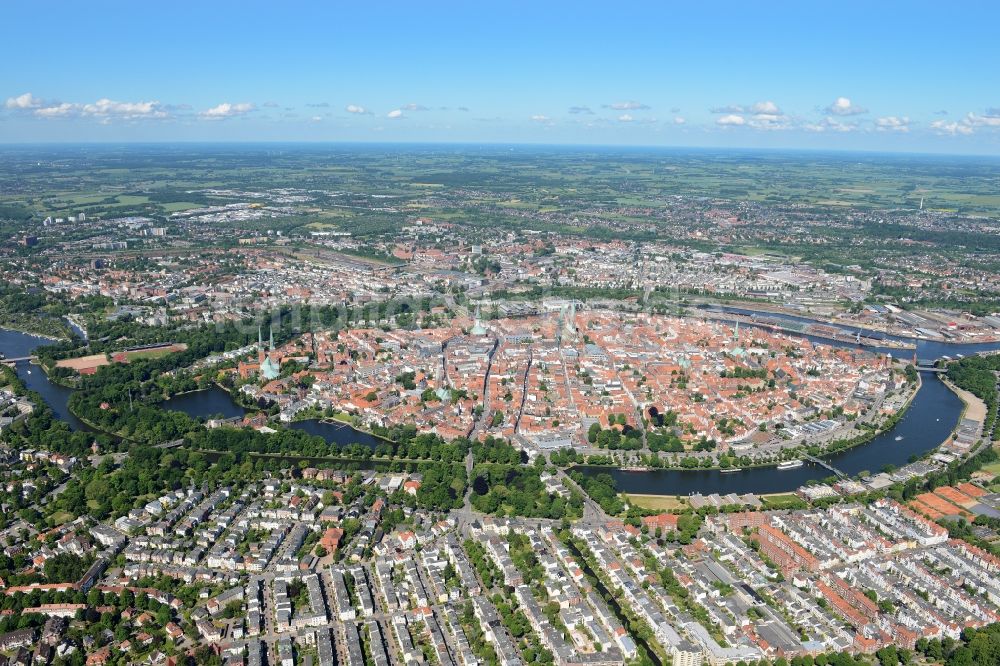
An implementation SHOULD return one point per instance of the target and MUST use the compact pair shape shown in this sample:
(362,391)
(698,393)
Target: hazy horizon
(498,145)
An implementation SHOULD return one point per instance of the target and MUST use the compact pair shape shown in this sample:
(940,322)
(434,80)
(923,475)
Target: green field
(993,469)
(60,517)
(831,210)
(150,353)
(781,501)
(176,206)
(658,502)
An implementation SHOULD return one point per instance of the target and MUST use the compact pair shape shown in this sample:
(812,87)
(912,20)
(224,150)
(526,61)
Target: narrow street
(482,423)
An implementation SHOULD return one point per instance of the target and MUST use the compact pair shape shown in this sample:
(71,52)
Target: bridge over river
(18,359)
(826,465)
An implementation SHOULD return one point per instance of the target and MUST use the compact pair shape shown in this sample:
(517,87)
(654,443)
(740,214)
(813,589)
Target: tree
(888,656)
(593,432)
(65,568)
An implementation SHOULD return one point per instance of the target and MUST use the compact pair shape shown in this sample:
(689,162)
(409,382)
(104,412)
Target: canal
(15,344)
(215,402)
(209,403)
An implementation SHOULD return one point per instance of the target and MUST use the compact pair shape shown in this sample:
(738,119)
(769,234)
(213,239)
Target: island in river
(932,417)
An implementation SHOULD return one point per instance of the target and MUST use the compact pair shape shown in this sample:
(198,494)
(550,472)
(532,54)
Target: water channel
(216,402)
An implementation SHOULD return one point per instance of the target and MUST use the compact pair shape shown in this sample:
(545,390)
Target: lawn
(786,501)
(155,353)
(60,517)
(658,502)
(150,353)
(993,469)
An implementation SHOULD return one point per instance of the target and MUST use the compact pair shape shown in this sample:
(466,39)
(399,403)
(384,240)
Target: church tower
(478,329)
(569,321)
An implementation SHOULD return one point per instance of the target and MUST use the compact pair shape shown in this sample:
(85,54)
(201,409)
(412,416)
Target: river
(926,349)
(337,433)
(212,402)
(215,402)
(931,417)
(15,344)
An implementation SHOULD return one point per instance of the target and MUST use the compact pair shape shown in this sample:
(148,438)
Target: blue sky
(849,75)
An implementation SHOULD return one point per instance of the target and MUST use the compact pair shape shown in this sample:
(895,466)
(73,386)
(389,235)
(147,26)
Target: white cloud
(952,128)
(103,109)
(414,107)
(581,109)
(227,110)
(767,107)
(967,125)
(316,119)
(764,115)
(829,124)
(25,101)
(106,108)
(679,121)
(893,124)
(731,120)
(770,121)
(57,110)
(627,106)
(395,113)
(625,118)
(354,108)
(539,118)
(991,119)
(842,106)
